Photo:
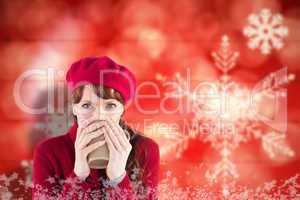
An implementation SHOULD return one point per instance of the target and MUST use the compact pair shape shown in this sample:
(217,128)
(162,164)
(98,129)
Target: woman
(100,89)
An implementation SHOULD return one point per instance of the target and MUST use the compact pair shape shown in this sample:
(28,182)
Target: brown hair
(109,93)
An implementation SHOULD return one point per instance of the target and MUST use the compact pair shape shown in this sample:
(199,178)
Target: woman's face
(91,106)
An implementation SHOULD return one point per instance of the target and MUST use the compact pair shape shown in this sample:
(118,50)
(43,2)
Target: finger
(91,128)
(86,122)
(82,126)
(93,146)
(93,125)
(114,139)
(109,142)
(118,133)
(126,136)
(117,125)
(89,137)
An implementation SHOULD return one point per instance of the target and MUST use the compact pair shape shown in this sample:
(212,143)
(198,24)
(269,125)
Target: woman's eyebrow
(110,100)
(85,101)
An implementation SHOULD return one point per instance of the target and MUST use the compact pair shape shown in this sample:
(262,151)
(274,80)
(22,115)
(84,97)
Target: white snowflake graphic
(225,58)
(168,188)
(238,122)
(265,31)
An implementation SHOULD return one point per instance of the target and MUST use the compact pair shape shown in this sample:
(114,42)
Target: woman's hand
(85,133)
(119,149)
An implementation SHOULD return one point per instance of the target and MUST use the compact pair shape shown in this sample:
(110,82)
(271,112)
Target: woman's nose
(99,114)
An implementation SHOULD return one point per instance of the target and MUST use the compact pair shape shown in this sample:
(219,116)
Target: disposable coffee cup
(98,159)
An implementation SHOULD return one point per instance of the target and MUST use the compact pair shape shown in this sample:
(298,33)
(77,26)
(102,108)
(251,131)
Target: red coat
(54,178)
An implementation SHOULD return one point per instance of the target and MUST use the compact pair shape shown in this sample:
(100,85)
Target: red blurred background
(151,37)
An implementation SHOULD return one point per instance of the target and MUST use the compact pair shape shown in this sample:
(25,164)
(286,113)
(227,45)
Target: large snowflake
(265,31)
(236,123)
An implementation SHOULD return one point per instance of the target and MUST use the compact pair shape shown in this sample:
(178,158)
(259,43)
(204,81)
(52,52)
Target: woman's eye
(86,105)
(111,105)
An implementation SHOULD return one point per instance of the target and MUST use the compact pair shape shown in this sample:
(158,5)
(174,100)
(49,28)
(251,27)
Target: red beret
(102,70)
